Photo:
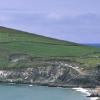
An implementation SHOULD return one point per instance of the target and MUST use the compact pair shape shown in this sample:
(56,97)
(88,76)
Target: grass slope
(18,42)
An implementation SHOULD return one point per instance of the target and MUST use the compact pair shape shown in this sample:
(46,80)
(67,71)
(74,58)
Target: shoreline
(83,90)
(40,84)
(86,92)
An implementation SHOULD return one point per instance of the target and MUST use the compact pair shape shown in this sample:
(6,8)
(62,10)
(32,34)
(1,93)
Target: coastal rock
(56,75)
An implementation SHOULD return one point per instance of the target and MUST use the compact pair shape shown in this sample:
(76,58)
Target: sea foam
(85,91)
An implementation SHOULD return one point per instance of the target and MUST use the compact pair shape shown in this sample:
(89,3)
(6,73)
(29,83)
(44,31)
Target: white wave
(30,85)
(94,98)
(85,91)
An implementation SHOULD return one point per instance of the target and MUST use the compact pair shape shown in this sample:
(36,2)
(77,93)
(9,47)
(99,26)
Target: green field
(14,42)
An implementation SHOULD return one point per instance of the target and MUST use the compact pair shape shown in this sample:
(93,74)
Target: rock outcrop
(54,75)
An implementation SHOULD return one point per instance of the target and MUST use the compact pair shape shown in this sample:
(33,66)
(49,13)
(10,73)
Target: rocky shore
(62,75)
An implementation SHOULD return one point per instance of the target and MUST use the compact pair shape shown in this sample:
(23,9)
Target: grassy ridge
(16,35)
(14,41)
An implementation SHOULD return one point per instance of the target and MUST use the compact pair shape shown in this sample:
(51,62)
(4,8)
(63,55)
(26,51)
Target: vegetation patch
(22,49)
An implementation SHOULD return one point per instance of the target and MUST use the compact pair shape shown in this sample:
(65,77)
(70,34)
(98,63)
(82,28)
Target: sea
(29,92)
(94,45)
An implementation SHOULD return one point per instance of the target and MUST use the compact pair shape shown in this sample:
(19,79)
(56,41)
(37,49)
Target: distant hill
(19,44)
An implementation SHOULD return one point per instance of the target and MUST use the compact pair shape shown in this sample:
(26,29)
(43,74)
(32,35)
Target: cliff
(57,74)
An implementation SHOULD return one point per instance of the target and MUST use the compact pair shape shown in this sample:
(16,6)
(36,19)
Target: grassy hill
(17,44)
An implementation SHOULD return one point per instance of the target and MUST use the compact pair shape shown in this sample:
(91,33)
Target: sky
(71,20)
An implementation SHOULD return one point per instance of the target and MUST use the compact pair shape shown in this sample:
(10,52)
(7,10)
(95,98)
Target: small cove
(23,92)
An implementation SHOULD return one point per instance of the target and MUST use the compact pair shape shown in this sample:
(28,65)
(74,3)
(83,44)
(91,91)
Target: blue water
(94,45)
(38,93)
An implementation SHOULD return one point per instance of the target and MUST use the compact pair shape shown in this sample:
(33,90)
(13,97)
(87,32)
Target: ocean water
(94,45)
(19,92)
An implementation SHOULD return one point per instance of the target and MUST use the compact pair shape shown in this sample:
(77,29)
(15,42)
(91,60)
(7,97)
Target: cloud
(54,16)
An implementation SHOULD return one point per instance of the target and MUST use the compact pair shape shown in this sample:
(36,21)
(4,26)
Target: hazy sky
(73,20)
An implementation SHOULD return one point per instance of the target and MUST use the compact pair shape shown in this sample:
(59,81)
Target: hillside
(16,46)
(34,59)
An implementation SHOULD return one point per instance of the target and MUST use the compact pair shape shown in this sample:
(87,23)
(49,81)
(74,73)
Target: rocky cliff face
(55,75)
(49,74)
